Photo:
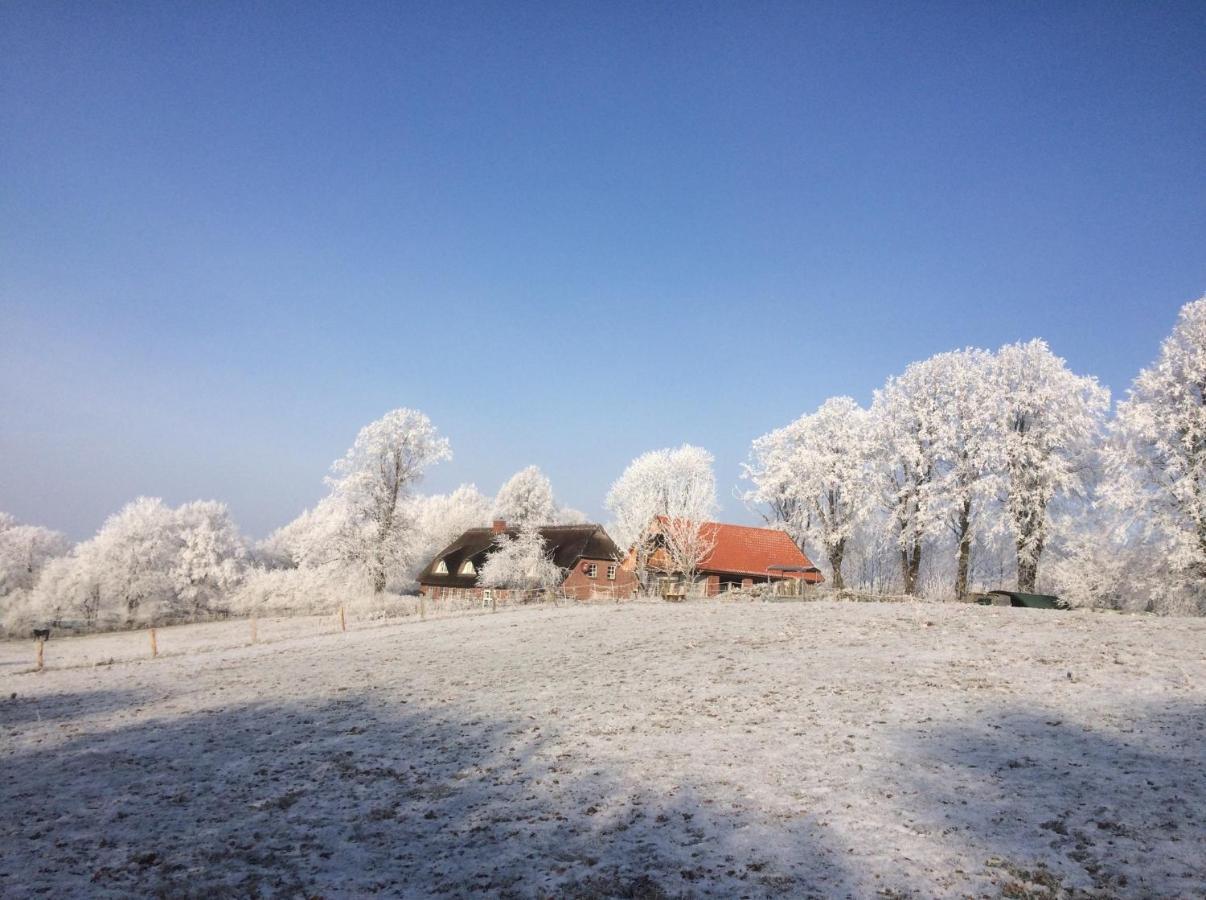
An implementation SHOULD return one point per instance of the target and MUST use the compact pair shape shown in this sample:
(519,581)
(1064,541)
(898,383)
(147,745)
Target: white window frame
(611,572)
(467,568)
(441,568)
(592,570)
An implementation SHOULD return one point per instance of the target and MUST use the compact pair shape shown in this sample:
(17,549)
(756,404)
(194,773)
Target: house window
(467,568)
(592,569)
(441,568)
(611,573)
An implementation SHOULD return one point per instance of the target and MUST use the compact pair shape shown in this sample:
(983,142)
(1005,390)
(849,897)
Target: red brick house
(586,554)
(740,556)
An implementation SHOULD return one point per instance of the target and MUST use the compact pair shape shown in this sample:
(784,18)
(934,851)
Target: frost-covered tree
(527,497)
(871,558)
(24,552)
(567,515)
(130,560)
(670,493)
(520,563)
(211,556)
(1052,421)
(690,497)
(1097,569)
(1156,459)
(313,540)
(910,441)
(67,588)
(972,451)
(937,447)
(373,481)
(818,468)
(635,501)
(147,563)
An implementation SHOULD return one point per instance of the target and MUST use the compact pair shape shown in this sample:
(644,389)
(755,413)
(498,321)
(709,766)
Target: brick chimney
(500,525)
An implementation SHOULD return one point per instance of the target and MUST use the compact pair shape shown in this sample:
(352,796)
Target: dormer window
(441,568)
(467,568)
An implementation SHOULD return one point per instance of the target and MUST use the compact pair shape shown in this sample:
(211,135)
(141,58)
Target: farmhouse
(737,556)
(586,554)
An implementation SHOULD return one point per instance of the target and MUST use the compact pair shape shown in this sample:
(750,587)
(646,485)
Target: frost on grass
(637,751)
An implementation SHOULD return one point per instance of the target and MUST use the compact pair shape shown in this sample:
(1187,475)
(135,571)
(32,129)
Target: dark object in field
(41,634)
(1016,598)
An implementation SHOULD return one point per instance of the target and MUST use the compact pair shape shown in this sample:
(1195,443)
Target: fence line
(257,629)
(232,633)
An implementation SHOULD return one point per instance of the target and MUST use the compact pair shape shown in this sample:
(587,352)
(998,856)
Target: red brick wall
(578,584)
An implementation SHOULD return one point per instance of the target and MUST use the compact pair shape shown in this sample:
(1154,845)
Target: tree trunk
(910,566)
(835,563)
(379,571)
(1032,536)
(1028,568)
(964,543)
(1027,574)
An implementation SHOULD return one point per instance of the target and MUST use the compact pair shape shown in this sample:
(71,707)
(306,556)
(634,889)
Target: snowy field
(812,749)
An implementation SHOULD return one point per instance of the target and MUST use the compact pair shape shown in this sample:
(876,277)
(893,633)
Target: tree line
(972,468)
(1008,465)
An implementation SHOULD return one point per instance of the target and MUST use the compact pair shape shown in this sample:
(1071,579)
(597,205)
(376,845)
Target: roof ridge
(593,525)
(745,527)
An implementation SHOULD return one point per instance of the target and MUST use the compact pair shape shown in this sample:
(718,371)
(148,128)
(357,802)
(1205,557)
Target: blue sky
(233,233)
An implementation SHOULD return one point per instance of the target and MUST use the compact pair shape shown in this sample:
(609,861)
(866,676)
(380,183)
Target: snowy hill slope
(640,750)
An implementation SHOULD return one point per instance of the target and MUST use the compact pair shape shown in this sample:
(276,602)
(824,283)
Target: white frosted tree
(690,498)
(971,437)
(910,440)
(372,483)
(973,451)
(130,562)
(567,515)
(1051,421)
(211,556)
(24,552)
(311,541)
(66,589)
(1156,460)
(669,494)
(817,469)
(635,501)
(526,498)
(520,563)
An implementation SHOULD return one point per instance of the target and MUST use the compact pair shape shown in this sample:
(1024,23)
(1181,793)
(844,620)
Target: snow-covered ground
(638,751)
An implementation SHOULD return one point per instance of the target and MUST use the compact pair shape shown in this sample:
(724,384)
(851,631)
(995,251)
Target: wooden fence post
(493,602)
(41,643)
(343,620)
(154,644)
(422,606)
(254,630)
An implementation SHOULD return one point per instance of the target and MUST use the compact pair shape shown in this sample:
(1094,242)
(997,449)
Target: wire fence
(63,651)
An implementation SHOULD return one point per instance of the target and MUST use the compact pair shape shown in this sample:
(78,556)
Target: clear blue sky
(233,233)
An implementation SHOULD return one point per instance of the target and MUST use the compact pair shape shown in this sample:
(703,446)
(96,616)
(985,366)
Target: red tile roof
(745,550)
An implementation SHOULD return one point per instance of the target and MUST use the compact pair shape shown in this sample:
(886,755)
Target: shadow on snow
(1117,808)
(351,797)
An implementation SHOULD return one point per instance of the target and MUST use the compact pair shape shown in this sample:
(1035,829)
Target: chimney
(500,525)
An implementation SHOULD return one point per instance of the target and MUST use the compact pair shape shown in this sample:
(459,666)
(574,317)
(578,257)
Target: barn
(738,556)
(586,554)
